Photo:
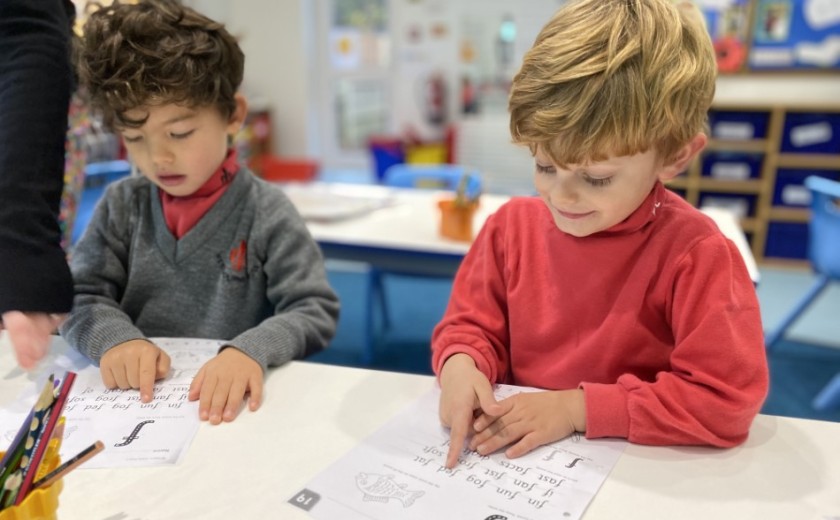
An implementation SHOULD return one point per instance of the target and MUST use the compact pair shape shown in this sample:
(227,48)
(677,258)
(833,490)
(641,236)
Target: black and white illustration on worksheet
(134,433)
(399,472)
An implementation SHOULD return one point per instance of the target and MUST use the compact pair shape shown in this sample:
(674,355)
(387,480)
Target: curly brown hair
(157,52)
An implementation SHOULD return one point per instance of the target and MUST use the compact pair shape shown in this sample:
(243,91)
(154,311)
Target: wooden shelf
(815,161)
(711,184)
(692,184)
(786,263)
(790,214)
(753,186)
(749,224)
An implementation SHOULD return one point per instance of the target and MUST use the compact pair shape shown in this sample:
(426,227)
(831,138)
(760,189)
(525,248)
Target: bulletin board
(728,22)
(795,35)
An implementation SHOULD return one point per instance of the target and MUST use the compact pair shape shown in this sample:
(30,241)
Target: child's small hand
(464,389)
(134,364)
(221,385)
(530,420)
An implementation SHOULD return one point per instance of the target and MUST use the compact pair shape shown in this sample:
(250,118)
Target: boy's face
(179,148)
(586,199)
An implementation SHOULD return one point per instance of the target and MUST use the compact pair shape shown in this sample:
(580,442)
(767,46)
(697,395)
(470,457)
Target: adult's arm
(35,88)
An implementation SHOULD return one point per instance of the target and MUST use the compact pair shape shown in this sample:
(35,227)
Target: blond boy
(627,305)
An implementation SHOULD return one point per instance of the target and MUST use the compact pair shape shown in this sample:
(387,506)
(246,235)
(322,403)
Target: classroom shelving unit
(755,163)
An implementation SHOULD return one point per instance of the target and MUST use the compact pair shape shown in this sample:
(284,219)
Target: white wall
(279,43)
(276,37)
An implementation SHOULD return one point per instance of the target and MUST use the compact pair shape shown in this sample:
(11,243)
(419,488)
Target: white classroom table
(312,414)
(402,235)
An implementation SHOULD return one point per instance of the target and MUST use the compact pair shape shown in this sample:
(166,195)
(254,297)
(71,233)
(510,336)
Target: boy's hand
(29,333)
(464,389)
(530,420)
(221,385)
(134,364)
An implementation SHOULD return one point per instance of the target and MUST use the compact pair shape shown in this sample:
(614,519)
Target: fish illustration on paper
(382,488)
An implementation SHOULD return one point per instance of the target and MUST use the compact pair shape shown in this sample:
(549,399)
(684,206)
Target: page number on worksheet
(305,500)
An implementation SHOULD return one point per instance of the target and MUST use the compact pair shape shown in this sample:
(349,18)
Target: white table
(313,414)
(402,236)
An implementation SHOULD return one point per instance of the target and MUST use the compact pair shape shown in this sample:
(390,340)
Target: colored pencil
(70,465)
(43,440)
(16,443)
(9,489)
(39,418)
(52,448)
(20,454)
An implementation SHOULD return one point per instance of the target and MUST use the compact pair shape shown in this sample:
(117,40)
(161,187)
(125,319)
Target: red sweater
(655,318)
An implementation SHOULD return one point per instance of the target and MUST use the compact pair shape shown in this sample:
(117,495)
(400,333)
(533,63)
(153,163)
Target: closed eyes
(183,135)
(598,182)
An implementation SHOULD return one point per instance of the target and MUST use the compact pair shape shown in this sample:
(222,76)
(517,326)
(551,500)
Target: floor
(800,365)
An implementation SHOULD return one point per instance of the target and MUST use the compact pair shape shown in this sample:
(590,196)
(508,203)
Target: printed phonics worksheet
(134,433)
(399,472)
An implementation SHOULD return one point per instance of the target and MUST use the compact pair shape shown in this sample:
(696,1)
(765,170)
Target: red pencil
(44,439)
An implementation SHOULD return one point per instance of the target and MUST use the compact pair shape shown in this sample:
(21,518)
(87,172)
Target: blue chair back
(433,176)
(824,243)
(97,176)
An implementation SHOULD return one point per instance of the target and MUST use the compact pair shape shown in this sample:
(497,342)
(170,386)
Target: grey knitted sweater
(248,272)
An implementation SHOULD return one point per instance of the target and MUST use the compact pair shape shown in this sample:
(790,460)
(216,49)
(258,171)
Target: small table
(398,231)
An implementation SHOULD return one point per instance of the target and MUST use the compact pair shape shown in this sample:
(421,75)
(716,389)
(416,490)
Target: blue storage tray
(742,204)
(733,125)
(809,132)
(790,190)
(787,240)
(734,166)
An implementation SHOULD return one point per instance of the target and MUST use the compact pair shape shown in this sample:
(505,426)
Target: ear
(237,118)
(684,156)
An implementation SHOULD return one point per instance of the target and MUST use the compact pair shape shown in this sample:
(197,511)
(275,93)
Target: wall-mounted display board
(795,35)
(729,25)
(773,35)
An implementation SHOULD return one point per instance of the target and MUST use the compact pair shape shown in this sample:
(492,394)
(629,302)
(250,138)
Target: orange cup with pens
(456,219)
(457,214)
(42,503)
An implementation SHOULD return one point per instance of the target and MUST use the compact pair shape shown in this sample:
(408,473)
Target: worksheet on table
(134,433)
(399,472)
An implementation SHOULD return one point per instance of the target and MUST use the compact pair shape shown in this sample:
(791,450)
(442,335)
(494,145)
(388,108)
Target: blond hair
(614,77)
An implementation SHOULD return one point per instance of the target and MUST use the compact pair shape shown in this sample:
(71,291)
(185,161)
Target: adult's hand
(30,334)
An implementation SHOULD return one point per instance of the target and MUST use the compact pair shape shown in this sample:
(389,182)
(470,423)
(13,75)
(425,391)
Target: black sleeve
(35,88)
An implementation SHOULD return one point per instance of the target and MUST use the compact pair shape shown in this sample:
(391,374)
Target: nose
(160,155)
(561,191)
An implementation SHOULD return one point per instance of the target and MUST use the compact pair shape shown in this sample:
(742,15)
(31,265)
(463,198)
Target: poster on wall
(728,25)
(795,35)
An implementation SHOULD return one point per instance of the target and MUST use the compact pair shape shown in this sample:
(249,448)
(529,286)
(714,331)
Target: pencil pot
(41,504)
(456,219)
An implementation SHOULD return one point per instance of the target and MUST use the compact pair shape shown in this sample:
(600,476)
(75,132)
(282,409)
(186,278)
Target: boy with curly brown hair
(626,304)
(196,246)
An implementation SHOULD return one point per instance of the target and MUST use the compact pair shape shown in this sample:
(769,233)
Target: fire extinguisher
(436,99)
